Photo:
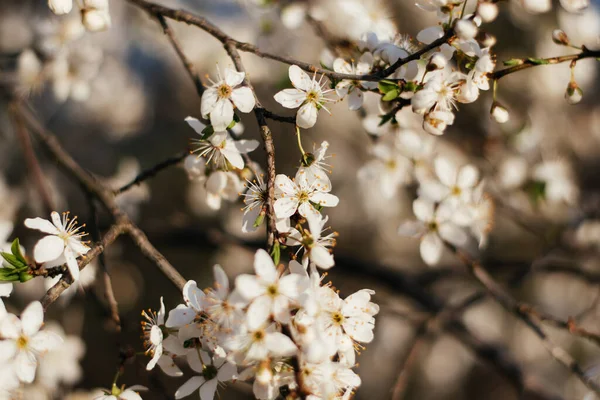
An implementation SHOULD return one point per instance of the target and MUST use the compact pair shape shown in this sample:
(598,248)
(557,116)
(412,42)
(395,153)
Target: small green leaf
(13,261)
(512,62)
(538,61)
(411,86)
(391,95)
(308,159)
(207,132)
(276,253)
(8,275)
(15,248)
(25,276)
(259,220)
(386,86)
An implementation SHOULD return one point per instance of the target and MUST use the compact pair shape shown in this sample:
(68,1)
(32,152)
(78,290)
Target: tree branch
(152,171)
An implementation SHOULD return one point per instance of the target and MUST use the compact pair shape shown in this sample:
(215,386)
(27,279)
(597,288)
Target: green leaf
(15,248)
(391,95)
(13,261)
(411,86)
(25,276)
(207,132)
(259,220)
(276,253)
(512,62)
(538,61)
(8,275)
(386,86)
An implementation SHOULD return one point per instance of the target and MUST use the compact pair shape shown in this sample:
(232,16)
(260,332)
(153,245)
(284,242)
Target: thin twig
(189,67)
(31,160)
(209,27)
(534,62)
(525,315)
(152,171)
(65,282)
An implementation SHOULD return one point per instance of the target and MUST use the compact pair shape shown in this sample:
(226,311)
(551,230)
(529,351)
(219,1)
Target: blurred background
(117,102)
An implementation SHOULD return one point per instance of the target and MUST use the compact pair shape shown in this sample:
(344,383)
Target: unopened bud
(487,11)
(560,37)
(437,61)
(573,94)
(95,20)
(60,7)
(499,113)
(486,39)
(465,29)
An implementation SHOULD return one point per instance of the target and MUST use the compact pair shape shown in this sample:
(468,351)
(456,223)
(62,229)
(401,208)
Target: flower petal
(259,312)
(195,124)
(189,387)
(307,116)
(32,318)
(72,263)
(207,391)
(234,78)
(243,98)
(41,225)
(431,248)
(280,345)
(290,98)
(299,78)
(264,266)
(208,102)
(25,365)
(48,248)
(221,115)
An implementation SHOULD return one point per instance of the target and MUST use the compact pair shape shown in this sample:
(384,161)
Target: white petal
(221,281)
(299,78)
(10,327)
(290,98)
(193,296)
(243,98)
(48,248)
(246,146)
(325,199)
(248,286)
(207,391)
(208,102)
(41,225)
(259,312)
(285,207)
(280,345)
(453,234)
(321,257)
(221,115)
(32,318)
(72,263)
(423,209)
(355,100)
(264,266)
(234,78)
(227,372)
(180,316)
(158,352)
(195,124)
(168,366)
(129,394)
(234,158)
(189,387)
(8,348)
(431,248)
(25,365)
(445,170)
(468,176)
(307,116)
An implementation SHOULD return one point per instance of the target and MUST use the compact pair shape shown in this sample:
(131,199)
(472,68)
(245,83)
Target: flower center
(22,342)
(456,191)
(433,226)
(224,90)
(337,318)
(303,196)
(272,290)
(312,97)
(258,336)
(209,372)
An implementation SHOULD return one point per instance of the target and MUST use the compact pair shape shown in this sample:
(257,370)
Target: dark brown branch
(280,118)
(189,67)
(65,282)
(33,166)
(151,172)
(207,26)
(105,196)
(525,315)
(534,62)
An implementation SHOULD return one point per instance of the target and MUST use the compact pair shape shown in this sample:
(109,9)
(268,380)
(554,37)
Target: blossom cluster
(279,327)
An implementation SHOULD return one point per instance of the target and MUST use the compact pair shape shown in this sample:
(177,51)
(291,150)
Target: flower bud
(487,11)
(465,29)
(573,94)
(560,37)
(437,61)
(95,20)
(60,7)
(499,113)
